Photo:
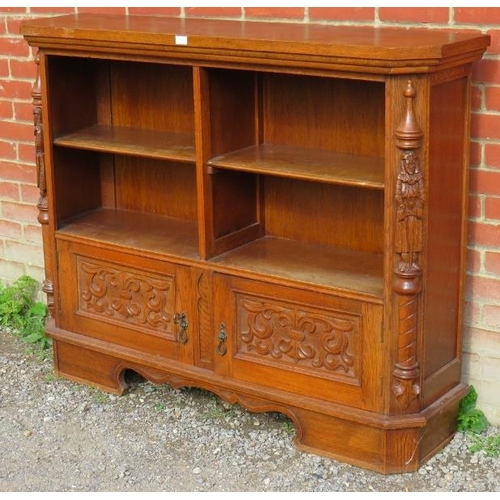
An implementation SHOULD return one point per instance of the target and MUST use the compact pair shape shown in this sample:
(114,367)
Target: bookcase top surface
(381,46)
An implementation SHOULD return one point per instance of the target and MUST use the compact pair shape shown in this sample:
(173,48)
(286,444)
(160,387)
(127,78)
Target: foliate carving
(410,206)
(296,336)
(118,295)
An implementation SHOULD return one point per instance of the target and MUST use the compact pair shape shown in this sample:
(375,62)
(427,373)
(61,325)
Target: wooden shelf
(356,272)
(136,231)
(306,164)
(131,141)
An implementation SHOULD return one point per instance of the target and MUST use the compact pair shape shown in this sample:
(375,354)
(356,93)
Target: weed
(23,315)
(470,418)
(489,444)
(473,423)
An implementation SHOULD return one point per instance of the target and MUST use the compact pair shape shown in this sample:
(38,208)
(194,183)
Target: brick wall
(20,241)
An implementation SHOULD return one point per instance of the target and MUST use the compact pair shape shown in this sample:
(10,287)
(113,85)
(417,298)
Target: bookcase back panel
(233,112)
(236,200)
(152,96)
(156,187)
(326,214)
(74,90)
(324,113)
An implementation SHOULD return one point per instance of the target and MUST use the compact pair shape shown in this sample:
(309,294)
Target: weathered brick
(492,262)
(33,234)
(484,181)
(9,191)
(275,12)
(212,11)
(414,14)
(161,11)
(484,234)
(23,252)
(492,97)
(492,208)
(342,13)
(17,171)
(485,126)
(492,155)
(23,212)
(7,150)
(476,15)
(480,287)
(10,229)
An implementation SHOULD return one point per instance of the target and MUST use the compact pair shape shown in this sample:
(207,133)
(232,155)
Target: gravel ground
(59,436)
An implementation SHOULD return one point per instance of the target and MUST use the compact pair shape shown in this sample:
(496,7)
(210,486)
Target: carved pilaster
(43,206)
(410,199)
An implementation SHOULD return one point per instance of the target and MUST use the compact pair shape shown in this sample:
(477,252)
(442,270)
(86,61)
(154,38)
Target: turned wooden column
(43,205)
(410,202)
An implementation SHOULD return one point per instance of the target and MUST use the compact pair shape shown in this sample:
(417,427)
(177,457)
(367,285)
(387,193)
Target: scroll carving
(119,295)
(410,205)
(42,205)
(292,335)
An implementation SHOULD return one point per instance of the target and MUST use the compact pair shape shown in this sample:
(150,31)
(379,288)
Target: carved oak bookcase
(272,212)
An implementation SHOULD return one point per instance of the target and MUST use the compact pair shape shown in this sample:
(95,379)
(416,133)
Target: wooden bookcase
(272,212)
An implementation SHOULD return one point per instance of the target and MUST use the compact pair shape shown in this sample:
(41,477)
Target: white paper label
(181,40)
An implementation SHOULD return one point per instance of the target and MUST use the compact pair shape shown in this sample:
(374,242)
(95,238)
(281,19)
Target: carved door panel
(125,299)
(309,343)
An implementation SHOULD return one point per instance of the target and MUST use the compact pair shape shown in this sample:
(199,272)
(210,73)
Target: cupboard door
(128,300)
(306,343)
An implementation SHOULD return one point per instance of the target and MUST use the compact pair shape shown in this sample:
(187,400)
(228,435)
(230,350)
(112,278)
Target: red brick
(9,191)
(491,315)
(483,288)
(19,211)
(492,155)
(485,126)
(492,208)
(472,313)
(477,97)
(13,10)
(6,110)
(33,233)
(415,14)
(492,262)
(10,46)
(22,252)
(26,152)
(53,10)
(17,172)
(158,11)
(22,68)
(476,15)
(275,12)
(23,111)
(475,153)
(487,71)
(30,193)
(213,11)
(473,261)
(492,97)
(4,68)
(475,206)
(102,10)
(17,131)
(15,89)
(484,234)
(10,229)
(494,47)
(484,181)
(7,150)
(342,13)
